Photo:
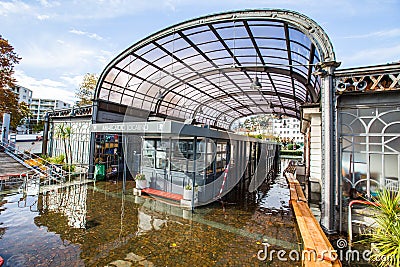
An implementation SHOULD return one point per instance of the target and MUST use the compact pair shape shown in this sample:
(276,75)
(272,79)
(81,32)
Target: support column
(328,139)
(45,133)
(92,144)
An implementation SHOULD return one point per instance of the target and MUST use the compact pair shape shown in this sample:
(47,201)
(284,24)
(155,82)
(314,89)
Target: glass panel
(376,127)
(161,160)
(394,128)
(346,129)
(375,139)
(262,31)
(347,117)
(149,144)
(148,158)
(394,144)
(358,127)
(391,116)
(375,148)
(300,37)
(366,112)
(359,147)
(391,166)
(359,139)
(375,167)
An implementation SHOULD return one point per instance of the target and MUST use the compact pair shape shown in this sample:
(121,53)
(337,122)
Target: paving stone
(121,263)
(146,263)
(133,257)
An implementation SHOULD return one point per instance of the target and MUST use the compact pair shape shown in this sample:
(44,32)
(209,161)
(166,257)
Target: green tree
(22,112)
(64,133)
(9,104)
(85,92)
(37,127)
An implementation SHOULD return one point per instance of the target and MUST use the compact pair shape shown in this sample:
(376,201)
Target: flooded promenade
(96,225)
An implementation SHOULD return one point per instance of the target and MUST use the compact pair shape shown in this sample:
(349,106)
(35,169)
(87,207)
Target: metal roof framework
(203,69)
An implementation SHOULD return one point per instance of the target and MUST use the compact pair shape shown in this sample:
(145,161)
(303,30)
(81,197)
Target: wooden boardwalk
(9,166)
(317,250)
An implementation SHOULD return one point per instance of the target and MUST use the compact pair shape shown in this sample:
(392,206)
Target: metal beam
(194,46)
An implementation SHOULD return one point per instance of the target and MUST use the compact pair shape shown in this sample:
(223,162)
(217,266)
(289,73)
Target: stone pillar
(328,149)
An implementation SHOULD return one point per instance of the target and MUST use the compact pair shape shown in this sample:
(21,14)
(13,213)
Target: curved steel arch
(283,46)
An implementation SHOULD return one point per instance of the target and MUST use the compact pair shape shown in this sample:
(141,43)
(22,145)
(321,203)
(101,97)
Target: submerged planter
(187,194)
(141,184)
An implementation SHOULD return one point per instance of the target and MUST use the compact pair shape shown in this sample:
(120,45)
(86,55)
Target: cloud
(74,80)
(380,55)
(48,4)
(88,34)
(14,7)
(387,33)
(46,88)
(42,17)
(64,55)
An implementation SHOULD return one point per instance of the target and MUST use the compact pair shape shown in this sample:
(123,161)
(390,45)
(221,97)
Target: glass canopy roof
(204,69)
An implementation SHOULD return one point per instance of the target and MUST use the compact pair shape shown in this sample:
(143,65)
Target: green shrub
(140,177)
(68,168)
(386,234)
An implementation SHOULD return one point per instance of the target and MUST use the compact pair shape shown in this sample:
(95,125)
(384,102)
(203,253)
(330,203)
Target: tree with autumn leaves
(85,92)
(8,100)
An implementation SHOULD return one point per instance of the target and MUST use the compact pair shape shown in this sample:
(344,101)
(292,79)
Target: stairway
(50,172)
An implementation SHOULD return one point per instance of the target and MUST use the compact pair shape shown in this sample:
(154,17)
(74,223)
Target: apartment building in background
(284,128)
(288,129)
(24,94)
(40,106)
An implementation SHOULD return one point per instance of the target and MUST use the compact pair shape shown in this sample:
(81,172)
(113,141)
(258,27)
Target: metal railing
(49,171)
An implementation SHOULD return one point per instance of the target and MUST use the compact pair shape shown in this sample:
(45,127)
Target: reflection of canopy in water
(202,69)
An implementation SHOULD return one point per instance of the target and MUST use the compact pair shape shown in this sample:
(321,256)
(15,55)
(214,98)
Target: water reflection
(96,225)
(69,201)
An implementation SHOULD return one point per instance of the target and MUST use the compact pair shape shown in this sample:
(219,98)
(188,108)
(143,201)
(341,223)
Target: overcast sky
(60,41)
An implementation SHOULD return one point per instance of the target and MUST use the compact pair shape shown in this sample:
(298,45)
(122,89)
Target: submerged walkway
(9,166)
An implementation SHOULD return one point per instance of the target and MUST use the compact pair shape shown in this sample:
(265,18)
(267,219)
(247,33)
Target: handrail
(350,222)
(51,171)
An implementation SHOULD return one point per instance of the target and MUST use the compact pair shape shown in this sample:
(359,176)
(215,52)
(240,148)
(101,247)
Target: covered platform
(203,75)
(206,73)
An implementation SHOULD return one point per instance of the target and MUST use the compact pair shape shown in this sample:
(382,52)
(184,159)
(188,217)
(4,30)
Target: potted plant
(187,192)
(141,181)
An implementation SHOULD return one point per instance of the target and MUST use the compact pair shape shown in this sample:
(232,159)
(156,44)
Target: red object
(223,182)
(362,202)
(162,194)
(1,261)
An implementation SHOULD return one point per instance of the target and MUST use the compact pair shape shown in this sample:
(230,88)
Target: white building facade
(24,94)
(40,106)
(288,129)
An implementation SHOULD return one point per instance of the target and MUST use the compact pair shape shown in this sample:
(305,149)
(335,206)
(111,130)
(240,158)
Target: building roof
(203,69)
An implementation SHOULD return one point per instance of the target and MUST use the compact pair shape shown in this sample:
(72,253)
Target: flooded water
(96,225)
